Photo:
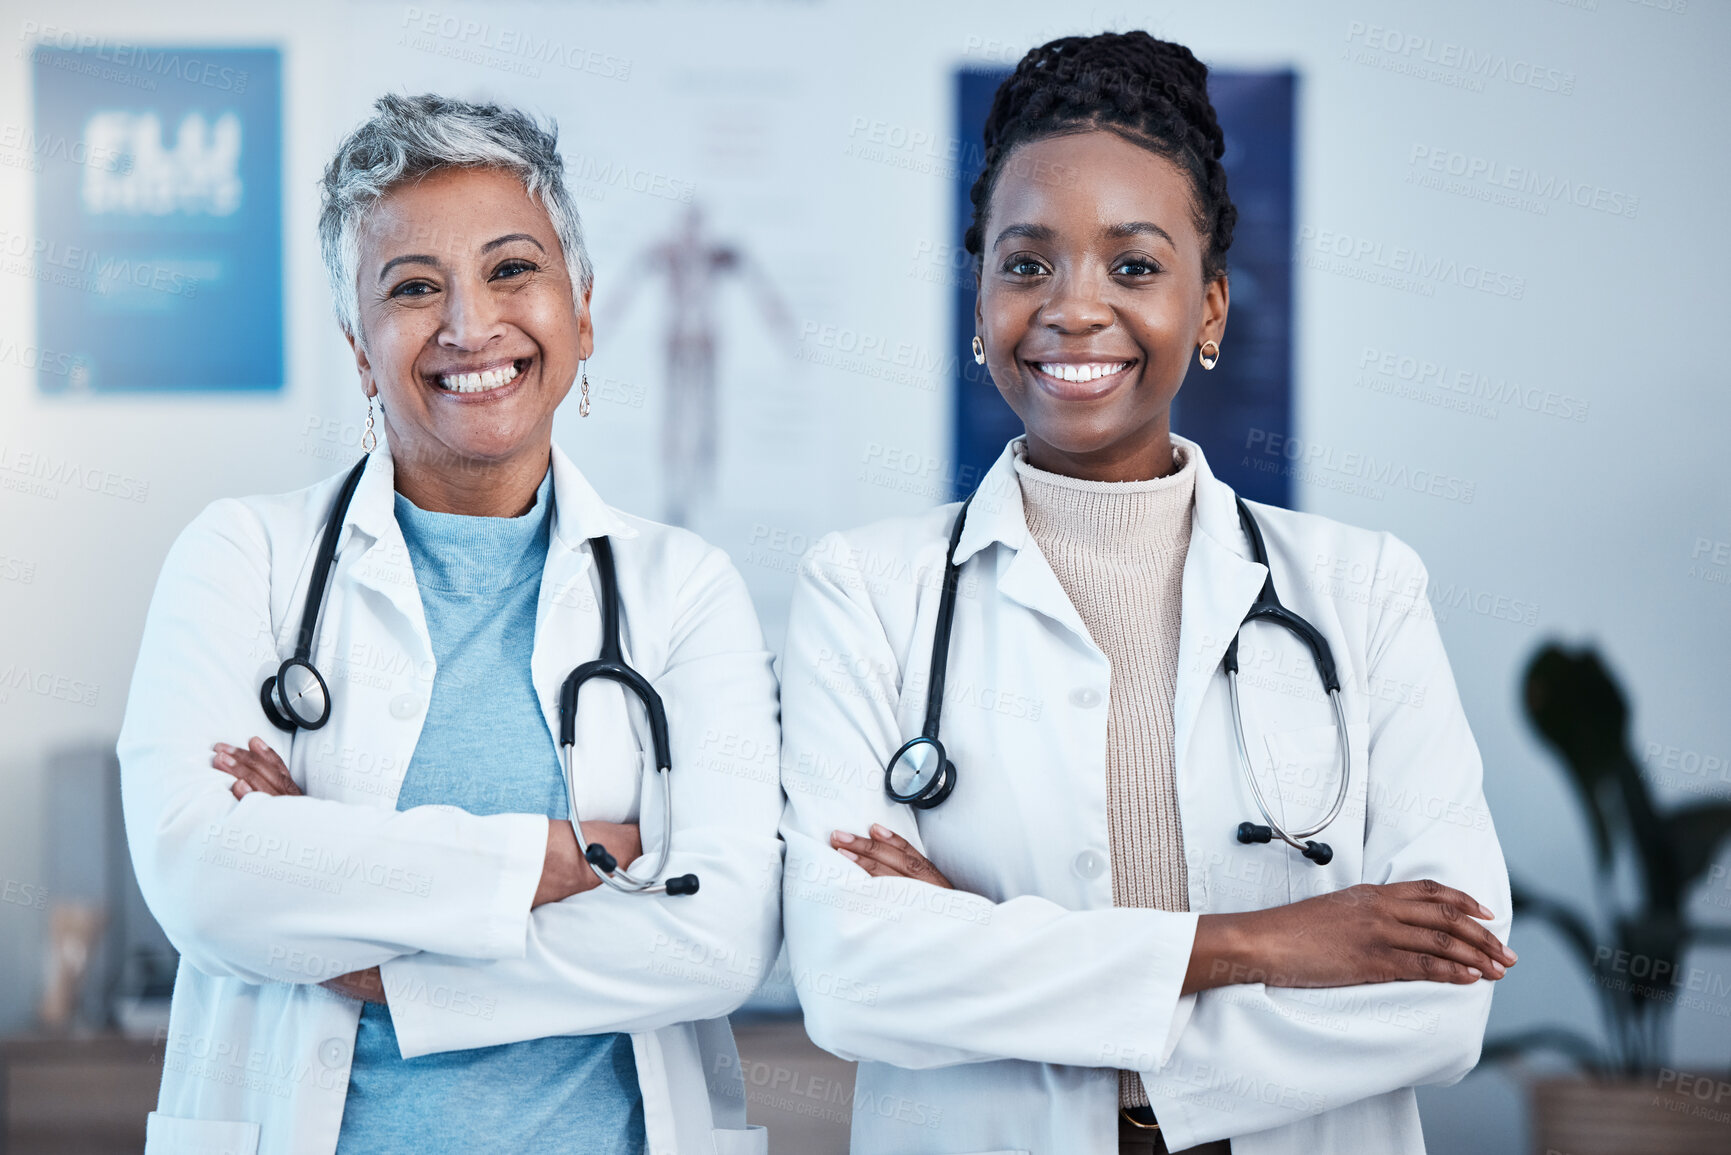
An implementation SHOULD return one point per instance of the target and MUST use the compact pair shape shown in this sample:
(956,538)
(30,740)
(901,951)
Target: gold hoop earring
(979,350)
(1209,354)
(583,401)
(369,439)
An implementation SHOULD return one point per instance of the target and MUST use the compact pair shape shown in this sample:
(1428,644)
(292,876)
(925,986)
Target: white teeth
(479,382)
(1065,371)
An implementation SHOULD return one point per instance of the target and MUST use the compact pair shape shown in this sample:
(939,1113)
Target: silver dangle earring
(583,401)
(979,350)
(369,439)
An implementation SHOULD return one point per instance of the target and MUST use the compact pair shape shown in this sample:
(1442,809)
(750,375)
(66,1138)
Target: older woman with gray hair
(441,893)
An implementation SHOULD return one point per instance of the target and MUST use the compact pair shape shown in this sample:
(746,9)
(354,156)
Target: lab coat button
(334,1053)
(1089,864)
(405,706)
(1086,698)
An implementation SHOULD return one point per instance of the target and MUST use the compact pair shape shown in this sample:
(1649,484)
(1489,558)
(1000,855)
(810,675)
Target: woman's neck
(1138,458)
(477,489)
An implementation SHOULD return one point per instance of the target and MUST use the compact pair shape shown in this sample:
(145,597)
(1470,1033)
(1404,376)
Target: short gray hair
(409,137)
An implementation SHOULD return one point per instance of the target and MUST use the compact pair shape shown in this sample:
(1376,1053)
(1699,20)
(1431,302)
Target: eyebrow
(1031,232)
(508,238)
(423,259)
(1140,229)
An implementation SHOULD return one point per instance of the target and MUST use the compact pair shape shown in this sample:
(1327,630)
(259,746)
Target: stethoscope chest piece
(920,774)
(296,697)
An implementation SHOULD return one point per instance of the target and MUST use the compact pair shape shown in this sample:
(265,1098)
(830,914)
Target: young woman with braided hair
(1074,952)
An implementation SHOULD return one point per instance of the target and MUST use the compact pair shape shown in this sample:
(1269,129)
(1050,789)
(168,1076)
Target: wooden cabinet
(77,1096)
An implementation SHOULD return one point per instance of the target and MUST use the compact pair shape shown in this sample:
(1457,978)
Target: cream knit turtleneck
(1118,550)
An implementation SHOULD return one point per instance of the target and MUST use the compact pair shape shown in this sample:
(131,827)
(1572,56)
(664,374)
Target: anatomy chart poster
(157,253)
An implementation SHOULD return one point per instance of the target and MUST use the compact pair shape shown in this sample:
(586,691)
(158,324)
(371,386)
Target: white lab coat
(992,1018)
(265,897)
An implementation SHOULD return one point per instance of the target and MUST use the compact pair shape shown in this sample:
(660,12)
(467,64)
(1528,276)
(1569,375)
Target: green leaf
(1575,929)
(1695,833)
(1580,711)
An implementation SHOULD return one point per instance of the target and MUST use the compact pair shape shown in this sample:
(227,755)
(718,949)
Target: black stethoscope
(920,773)
(297,697)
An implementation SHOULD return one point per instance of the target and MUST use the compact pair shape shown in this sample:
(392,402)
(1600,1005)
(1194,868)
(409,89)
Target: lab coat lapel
(997,516)
(383,565)
(1220,584)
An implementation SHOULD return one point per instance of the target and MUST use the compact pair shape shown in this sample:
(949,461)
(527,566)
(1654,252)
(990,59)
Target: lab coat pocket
(167,1135)
(753,1140)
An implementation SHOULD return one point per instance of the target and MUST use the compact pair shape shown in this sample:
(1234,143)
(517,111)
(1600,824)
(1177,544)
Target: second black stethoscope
(297,698)
(920,773)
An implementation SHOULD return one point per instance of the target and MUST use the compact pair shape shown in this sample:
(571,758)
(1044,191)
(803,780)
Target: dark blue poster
(1250,390)
(158,246)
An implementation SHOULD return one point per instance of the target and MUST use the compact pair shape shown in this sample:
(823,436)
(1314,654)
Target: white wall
(1593,522)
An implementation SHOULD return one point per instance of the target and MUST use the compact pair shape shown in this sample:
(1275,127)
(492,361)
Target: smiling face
(1092,301)
(470,334)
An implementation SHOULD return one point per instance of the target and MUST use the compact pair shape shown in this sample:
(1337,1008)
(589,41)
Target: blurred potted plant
(1629,1101)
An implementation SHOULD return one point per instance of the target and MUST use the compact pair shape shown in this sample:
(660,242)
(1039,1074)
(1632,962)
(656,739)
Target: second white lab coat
(993,1018)
(265,897)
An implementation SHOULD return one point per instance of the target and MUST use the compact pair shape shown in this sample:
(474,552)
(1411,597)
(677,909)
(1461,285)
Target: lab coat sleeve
(1254,1057)
(251,889)
(606,961)
(905,972)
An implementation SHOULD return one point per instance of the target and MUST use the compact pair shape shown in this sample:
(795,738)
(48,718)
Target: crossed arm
(257,768)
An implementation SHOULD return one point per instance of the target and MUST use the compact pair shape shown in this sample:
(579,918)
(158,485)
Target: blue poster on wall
(1249,394)
(158,246)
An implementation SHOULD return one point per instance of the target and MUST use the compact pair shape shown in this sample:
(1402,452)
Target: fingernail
(222,746)
(1513,957)
(880,831)
(258,744)
(842,836)
(848,854)
(1485,911)
(1475,972)
(1498,968)
(223,760)
(242,788)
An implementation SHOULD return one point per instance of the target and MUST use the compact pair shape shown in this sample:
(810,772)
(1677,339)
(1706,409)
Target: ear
(586,326)
(362,365)
(1216,295)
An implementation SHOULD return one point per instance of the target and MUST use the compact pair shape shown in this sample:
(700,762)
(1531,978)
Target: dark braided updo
(1151,92)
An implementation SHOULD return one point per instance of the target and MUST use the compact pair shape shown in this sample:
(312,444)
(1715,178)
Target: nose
(472,319)
(1077,305)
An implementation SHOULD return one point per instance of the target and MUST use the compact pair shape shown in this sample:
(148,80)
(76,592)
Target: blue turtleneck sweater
(486,748)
